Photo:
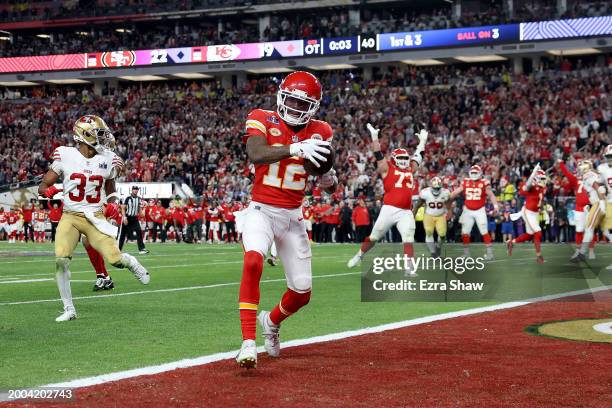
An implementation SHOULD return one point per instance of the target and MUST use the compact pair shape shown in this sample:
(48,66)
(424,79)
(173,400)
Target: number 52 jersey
(83,178)
(281,184)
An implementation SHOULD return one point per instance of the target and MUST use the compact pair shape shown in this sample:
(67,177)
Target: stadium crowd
(283,26)
(191,132)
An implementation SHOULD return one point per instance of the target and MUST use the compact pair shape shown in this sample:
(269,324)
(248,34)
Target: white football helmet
(608,154)
(475,172)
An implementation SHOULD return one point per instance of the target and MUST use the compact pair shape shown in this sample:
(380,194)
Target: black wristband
(379,156)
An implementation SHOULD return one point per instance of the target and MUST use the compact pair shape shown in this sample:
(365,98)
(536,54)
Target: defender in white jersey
(88,175)
(591,181)
(437,204)
(605,173)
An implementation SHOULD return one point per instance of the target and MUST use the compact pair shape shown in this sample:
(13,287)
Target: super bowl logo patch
(316,136)
(275,131)
(272,119)
(294,139)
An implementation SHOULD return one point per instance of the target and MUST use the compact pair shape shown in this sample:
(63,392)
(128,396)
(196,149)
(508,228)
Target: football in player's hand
(313,170)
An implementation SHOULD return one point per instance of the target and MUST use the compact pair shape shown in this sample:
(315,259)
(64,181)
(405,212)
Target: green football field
(188,310)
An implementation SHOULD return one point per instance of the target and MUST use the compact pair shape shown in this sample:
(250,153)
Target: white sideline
(191,362)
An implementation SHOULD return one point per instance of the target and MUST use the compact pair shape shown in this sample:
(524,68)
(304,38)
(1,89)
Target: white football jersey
(588,179)
(435,204)
(83,178)
(605,173)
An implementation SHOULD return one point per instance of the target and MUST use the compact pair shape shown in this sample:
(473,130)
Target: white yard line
(144,292)
(191,362)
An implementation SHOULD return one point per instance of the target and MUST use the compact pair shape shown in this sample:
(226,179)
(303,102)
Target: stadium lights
(269,70)
(191,75)
(123,30)
(423,62)
(5,38)
(331,66)
(83,33)
(17,83)
(67,81)
(47,36)
(480,58)
(143,78)
(575,51)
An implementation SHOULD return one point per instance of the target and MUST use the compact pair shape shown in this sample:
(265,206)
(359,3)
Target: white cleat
(136,268)
(69,314)
(247,357)
(354,261)
(270,333)
(591,254)
(488,257)
(609,268)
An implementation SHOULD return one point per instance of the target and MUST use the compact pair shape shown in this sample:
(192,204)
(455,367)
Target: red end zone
(479,360)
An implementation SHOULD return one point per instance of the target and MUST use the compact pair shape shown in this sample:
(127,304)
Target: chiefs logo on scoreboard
(118,59)
(222,52)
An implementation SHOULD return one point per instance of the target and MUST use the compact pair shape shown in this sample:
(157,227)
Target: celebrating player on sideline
(398,180)
(475,190)
(437,207)
(605,172)
(533,191)
(278,143)
(88,180)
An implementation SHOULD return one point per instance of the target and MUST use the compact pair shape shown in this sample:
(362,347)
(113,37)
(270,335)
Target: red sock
(96,260)
(291,302)
(522,238)
(537,239)
(409,249)
(465,238)
(487,238)
(310,235)
(579,236)
(367,245)
(248,299)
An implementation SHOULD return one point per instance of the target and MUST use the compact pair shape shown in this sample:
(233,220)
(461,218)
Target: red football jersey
(2,217)
(12,217)
(40,215)
(281,184)
(534,197)
(475,193)
(399,186)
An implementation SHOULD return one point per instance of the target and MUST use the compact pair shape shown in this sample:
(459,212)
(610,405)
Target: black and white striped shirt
(132,206)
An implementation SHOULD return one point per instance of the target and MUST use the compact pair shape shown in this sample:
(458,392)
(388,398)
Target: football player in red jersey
(398,179)
(39,220)
(533,191)
(4,229)
(308,215)
(582,208)
(475,190)
(278,142)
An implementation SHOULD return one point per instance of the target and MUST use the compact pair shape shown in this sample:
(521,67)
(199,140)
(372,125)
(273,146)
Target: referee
(130,208)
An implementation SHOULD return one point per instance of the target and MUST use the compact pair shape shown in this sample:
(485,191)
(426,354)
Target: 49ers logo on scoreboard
(115,59)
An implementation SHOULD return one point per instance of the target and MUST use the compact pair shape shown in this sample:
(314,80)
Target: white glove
(602,206)
(310,149)
(373,132)
(328,179)
(422,135)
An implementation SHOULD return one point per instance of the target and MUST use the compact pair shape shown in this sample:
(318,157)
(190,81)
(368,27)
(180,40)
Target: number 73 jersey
(281,184)
(399,186)
(83,178)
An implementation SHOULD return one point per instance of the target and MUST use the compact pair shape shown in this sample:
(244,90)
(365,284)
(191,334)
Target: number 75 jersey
(83,178)
(281,184)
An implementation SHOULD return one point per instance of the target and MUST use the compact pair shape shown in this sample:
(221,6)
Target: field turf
(188,310)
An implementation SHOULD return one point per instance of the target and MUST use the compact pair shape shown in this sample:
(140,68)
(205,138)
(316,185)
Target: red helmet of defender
(475,172)
(298,98)
(401,158)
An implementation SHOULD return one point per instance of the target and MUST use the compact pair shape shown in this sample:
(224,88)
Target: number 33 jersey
(84,178)
(281,184)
